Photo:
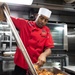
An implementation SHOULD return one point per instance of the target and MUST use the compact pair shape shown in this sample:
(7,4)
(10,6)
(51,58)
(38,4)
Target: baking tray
(54,70)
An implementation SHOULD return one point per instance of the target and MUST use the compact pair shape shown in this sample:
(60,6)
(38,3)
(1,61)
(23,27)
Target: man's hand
(41,59)
(2,4)
(2,15)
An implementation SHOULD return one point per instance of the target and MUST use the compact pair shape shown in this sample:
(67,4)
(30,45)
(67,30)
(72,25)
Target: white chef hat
(44,11)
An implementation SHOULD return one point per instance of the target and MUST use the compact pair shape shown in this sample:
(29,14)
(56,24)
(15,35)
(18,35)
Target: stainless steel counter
(70,69)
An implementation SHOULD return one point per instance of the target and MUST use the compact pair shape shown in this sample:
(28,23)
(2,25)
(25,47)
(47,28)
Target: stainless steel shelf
(7,38)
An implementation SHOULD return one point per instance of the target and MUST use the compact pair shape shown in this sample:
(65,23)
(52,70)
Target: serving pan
(54,70)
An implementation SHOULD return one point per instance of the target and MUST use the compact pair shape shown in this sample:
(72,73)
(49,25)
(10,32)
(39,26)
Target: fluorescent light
(24,2)
(59,28)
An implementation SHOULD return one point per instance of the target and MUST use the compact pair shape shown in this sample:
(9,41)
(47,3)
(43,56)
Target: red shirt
(35,40)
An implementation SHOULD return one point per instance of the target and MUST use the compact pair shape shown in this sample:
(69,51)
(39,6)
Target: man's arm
(16,21)
(47,52)
(42,57)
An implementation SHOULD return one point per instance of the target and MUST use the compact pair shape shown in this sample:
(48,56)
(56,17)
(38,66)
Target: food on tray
(44,71)
(36,67)
(60,74)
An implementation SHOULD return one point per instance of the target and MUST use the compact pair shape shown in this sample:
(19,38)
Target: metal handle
(20,43)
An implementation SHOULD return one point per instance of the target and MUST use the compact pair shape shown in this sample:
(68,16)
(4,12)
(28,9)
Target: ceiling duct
(69,1)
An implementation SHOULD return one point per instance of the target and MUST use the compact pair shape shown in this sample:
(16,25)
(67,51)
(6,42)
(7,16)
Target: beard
(40,25)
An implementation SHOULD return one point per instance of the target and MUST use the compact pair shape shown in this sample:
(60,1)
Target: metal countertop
(70,68)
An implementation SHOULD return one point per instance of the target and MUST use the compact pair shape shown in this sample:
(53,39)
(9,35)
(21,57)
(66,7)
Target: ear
(36,16)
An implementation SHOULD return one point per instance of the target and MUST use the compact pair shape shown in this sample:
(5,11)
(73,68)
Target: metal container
(53,70)
(53,64)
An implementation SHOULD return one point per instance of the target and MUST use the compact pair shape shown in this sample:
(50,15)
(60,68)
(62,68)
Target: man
(37,39)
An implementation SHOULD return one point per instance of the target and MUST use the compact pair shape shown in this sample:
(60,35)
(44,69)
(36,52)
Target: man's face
(41,21)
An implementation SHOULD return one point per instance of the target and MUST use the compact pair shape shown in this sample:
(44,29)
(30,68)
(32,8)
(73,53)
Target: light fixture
(24,2)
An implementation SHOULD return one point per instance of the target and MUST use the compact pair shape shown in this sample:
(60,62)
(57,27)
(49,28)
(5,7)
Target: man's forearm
(47,52)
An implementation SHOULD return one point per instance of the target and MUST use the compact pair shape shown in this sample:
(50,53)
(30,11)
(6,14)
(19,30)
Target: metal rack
(5,37)
(7,40)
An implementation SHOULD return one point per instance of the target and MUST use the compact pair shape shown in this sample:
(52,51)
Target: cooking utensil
(19,42)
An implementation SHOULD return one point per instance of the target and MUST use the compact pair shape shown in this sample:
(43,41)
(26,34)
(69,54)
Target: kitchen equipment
(4,46)
(8,65)
(54,70)
(56,64)
(53,64)
(19,42)
(59,34)
(9,53)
